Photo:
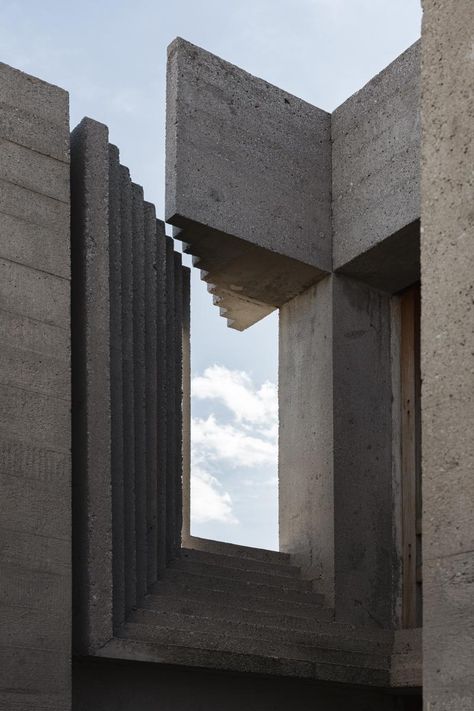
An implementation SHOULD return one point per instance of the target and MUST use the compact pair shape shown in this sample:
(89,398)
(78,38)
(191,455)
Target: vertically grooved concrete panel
(35,431)
(139,365)
(128,388)
(162,389)
(178,396)
(151,415)
(91,384)
(171,420)
(376,159)
(447,353)
(116,387)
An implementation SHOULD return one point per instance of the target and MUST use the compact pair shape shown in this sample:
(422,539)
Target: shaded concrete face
(447,345)
(104,686)
(35,476)
(376,158)
(335,471)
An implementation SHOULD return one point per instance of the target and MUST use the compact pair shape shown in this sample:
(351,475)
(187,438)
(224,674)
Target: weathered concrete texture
(363,500)
(101,685)
(335,388)
(305,462)
(91,385)
(447,352)
(35,476)
(265,180)
(376,159)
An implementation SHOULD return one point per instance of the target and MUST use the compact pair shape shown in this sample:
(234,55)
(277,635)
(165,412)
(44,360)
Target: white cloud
(212,440)
(246,438)
(235,390)
(208,501)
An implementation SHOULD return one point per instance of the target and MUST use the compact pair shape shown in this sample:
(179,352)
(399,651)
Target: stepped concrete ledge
(256,613)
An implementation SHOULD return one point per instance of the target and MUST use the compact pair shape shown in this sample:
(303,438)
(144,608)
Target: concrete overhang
(270,193)
(248,183)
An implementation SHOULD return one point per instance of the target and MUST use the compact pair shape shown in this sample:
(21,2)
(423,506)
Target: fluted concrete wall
(127,305)
(35,461)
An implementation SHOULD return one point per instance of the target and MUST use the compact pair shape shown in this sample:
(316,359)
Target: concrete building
(358,226)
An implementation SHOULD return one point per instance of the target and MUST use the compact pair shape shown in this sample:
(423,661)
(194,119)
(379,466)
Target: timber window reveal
(410,386)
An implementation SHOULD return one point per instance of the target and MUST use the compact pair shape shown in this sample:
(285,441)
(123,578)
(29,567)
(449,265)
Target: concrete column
(335,392)
(93,575)
(447,353)
(35,435)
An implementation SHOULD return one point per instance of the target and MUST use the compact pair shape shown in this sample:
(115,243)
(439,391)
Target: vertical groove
(186,406)
(116,387)
(151,391)
(178,354)
(170,403)
(139,387)
(162,384)
(128,388)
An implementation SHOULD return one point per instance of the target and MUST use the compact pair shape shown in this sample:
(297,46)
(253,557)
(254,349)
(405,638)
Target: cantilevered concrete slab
(247,181)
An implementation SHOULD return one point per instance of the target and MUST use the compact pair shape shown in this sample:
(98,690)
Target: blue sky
(111,56)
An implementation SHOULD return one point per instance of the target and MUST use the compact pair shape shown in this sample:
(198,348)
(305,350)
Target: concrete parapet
(35,429)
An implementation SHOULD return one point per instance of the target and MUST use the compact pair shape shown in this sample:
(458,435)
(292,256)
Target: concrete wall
(447,266)
(376,159)
(336,502)
(35,476)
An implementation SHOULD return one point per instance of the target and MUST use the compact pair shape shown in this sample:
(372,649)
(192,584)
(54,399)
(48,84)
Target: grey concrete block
(37,246)
(34,294)
(306,485)
(36,97)
(91,384)
(265,182)
(37,209)
(265,177)
(34,171)
(376,159)
(49,555)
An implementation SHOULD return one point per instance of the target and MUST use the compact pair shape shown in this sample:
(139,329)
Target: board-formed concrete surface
(447,352)
(376,159)
(35,437)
